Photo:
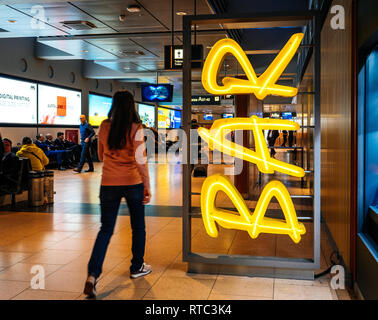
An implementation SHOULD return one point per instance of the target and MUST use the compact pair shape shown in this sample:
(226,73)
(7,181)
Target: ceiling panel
(23,25)
(55,13)
(80,49)
(162,10)
(108,12)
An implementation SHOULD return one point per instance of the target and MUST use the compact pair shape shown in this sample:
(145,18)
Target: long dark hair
(122,115)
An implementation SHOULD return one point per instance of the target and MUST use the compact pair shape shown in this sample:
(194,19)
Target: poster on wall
(58,106)
(99,107)
(147,114)
(18,101)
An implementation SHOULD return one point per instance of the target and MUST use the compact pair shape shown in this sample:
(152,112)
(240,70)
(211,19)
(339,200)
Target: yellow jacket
(27,151)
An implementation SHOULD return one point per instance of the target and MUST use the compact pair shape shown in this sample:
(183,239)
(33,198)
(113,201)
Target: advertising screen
(18,101)
(147,114)
(164,120)
(207,116)
(227,115)
(99,107)
(58,106)
(175,119)
(287,115)
(157,92)
(169,119)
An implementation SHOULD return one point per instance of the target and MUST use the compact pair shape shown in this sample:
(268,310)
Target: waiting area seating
(13,185)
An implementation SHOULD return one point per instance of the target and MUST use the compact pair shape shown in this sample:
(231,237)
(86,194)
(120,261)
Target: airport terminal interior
(295,212)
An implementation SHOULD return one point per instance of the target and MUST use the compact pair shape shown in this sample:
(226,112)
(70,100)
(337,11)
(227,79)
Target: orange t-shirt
(126,166)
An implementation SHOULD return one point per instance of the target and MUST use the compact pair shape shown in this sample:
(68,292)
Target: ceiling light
(133,8)
(181,13)
(126,68)
(12,21)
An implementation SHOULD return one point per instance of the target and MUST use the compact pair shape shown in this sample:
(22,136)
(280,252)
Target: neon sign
(252,223)
(260,86)
(216,138)
(256,222)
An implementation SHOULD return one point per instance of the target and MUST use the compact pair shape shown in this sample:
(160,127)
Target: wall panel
(336,57)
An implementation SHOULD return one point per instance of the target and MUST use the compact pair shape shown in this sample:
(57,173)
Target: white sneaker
(143,271)
(90,287)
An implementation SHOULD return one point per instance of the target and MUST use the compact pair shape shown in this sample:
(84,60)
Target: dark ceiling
(110,50)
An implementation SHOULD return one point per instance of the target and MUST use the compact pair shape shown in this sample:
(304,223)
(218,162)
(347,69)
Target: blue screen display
(157,92)
(287,115)
(207,116)
(227,115)
(175,119)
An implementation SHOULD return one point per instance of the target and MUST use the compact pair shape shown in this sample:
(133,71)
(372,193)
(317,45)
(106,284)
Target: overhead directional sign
(174,57)
(206,100)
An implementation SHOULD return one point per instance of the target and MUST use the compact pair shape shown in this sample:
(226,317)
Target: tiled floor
(63,250)
(61,242)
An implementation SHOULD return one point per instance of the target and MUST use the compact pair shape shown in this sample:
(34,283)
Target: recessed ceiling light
(12,21)
(181,13)
(126,68)
(133,8)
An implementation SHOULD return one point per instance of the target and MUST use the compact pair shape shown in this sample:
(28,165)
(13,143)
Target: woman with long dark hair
(124,174)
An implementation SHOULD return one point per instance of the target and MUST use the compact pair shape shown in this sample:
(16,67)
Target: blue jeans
(59,155)
(85,156)
(110,198)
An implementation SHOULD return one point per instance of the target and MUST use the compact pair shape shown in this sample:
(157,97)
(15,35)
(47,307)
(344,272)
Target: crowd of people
(274,134)
(45,150)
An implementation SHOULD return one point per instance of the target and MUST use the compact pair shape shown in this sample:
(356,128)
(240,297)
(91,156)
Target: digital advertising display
(169,119)
(287,115)
(227,115)
(157,92)
(175,119)
(58,106)
(207,116)
(99,107)
(18,101)
(147,114)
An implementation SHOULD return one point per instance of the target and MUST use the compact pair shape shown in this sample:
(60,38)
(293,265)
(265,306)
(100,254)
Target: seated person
(47,149)
(49,141)
(8,166)
(72,149)
(37,157)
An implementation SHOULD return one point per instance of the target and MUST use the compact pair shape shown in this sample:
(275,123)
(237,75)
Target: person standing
(272,137)
(86,133)
(291,138)
(284,134)
(124,175)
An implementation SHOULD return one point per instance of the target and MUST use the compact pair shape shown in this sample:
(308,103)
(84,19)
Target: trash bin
(49,186)
(36,188)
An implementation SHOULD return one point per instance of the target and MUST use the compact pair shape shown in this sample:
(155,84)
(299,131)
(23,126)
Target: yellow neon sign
(216,139)
(254,223)
(260,86)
